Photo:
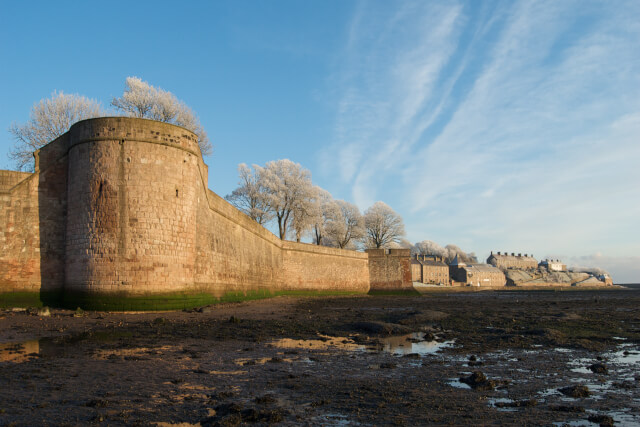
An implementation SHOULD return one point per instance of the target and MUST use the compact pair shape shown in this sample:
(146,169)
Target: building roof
(524,257)
(457,262)
(482,268)
(431,262)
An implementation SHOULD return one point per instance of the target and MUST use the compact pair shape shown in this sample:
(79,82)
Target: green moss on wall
(30,299)
(152,302)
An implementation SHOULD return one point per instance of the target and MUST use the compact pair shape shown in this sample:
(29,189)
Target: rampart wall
(390,269)
(120,207)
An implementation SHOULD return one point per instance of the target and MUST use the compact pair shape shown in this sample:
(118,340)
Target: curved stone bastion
(118,215)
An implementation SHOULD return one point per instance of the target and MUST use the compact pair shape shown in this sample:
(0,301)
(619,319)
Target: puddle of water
(624,357)
(398,345)
(625,417)
(549,392)
(262,360)
(577,423)
(456,383)
(23,351)
(412,343)
(331,419)
(140,352)
(325,343)
(498,400)
(19,352)
(581,370)
(227,372)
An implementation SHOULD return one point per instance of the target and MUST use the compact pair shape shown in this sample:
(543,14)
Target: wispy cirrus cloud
(514,124)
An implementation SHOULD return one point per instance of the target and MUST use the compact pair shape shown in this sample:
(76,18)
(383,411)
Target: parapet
(389,252)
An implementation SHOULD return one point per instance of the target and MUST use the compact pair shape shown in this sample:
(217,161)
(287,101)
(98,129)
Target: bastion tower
(118,216)
(131,207)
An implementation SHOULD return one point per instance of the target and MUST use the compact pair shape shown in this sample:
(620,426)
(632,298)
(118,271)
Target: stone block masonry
(390,269)
(119,209)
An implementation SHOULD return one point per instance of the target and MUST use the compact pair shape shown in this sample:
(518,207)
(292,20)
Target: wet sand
(363,360)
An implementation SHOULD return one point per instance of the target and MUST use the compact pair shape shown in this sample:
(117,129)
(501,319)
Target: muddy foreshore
(539,358)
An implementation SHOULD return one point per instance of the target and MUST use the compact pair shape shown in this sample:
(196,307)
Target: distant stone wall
(236,254)
(120,207)
(390,269)
(519,261)
(312,267)
(482,275)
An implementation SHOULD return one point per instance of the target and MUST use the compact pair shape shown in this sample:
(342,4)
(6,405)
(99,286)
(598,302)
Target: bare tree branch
(49,118)
(142,100)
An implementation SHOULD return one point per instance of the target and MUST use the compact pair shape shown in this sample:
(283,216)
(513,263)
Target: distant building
(430,269)
(504,261)
(553,265)
(476,274)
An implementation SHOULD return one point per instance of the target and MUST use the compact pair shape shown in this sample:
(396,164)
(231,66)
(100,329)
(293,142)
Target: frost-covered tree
(288,186)
(345,224)
(251,195)
(453,251)
(142,100)
(327,212)
(383,226)
(306,213)
(428,247)
(448,253)
(49,118)
(402,244)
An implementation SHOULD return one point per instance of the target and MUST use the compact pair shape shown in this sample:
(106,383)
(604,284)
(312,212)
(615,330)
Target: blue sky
(506,126)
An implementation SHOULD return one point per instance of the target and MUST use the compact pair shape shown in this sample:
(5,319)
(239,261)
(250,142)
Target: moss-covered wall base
(150,302)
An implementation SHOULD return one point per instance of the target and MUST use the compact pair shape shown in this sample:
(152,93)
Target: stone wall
(478,275)
(505,261)
(312,267)
(9,179)
(120,207)
(233,252)
(131,221)
(390,269)
(32,233)
(19,237)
